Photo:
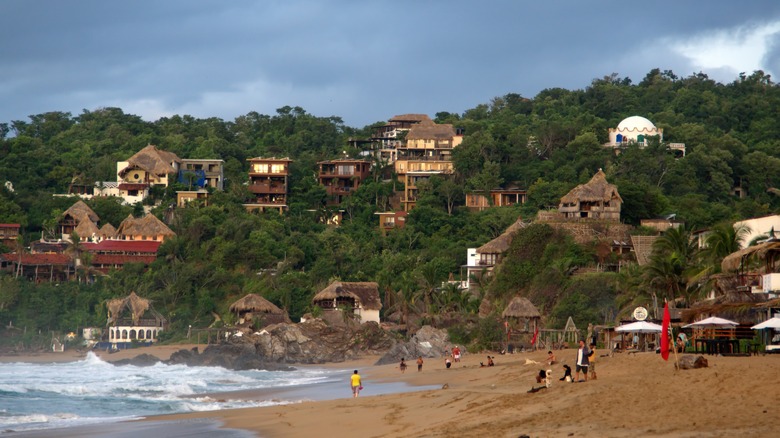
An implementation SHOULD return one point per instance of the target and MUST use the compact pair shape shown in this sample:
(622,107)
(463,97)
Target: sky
(361,60)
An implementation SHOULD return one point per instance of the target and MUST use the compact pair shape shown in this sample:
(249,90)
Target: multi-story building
(8,234)
(427,151)
(205,173)
(268,182)
(390,136)
(342,177)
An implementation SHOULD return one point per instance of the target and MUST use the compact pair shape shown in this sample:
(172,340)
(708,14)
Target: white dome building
(634,129)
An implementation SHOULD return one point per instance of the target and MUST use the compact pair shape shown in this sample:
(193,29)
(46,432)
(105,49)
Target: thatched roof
(501,243)
(410,118)
(81,211)
(428,130)
(137,306)
(152,160)
(148,225)
(255,303)
(597,189)
(733,261)
(107,231)
(85,229)
(520,307)
(367,293)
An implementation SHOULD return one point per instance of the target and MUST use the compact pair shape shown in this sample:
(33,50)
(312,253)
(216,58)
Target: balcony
(267,188)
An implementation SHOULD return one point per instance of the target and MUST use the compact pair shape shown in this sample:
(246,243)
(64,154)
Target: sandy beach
(634,395)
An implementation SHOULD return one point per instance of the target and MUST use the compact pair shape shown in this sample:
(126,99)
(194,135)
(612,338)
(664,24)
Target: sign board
(640,314)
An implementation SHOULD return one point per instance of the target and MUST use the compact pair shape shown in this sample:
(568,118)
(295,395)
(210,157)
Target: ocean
(44,396)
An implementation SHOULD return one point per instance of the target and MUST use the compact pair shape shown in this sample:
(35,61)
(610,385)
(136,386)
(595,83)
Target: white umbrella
(641,327)
(773,323)
(712,322)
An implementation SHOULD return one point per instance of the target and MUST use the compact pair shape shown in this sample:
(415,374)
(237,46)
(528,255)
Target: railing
(267,188)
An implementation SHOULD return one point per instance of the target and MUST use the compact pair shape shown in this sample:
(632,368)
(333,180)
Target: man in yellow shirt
(356,384)
(592,361)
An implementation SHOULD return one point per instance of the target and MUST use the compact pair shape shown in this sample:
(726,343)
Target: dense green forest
(546,144)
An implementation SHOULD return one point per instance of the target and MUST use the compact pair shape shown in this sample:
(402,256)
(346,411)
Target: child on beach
(551,358)
(447,362)
(419,363)
(566,374)
(403,365)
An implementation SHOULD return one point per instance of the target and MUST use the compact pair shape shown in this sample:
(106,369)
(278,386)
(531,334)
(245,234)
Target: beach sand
(634,395)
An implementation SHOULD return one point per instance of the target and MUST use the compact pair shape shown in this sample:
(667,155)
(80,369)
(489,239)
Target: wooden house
(476,201)
(597,199)
(8,234)
(268,183)
(341,178)
(362,298)
(257,311)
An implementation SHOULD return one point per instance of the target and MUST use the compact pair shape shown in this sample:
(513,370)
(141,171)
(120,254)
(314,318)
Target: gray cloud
(364,61)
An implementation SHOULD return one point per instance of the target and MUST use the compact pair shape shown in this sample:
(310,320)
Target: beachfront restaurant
(132,320)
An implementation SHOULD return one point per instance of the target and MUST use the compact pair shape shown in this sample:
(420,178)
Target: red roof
(38,259)
(145,246)
(10,225)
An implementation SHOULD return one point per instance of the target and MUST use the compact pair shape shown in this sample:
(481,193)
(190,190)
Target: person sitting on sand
(566,374)
(447,362)
(403,365)
(551,358)
(419,363)
(490,361)
(541,376)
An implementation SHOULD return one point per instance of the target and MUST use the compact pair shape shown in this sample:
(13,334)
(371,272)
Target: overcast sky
(362,60)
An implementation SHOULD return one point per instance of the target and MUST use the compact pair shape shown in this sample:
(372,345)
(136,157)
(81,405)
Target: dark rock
(689,361)
(142,360)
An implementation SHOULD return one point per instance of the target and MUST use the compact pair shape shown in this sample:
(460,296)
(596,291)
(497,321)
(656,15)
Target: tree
(486,180)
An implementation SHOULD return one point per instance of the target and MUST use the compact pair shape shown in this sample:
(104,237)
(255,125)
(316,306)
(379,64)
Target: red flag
(665,333)
(536,333)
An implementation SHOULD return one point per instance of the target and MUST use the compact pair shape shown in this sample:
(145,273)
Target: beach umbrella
(712,322)
(773,323)
(640,327)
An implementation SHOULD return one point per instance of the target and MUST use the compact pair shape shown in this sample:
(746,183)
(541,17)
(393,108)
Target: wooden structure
(268,183)
(476,201)
(80,218)
(342,177)
(253,309)
(597,199)
(491,253)
(391,220)
(362,298)
(133,319)
(8,234)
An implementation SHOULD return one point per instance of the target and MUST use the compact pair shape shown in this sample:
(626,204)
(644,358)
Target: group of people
(403,365)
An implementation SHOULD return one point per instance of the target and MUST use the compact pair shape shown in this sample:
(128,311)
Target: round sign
(640,314)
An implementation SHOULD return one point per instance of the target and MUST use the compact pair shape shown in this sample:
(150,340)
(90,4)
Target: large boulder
(428,342)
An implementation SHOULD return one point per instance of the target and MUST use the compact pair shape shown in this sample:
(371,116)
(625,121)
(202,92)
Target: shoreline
(636,394)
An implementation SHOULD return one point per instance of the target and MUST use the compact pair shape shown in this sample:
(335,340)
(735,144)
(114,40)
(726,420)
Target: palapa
(365,293)
(410,118)
(137,306)
(86,229)
(255,303)
(152,160)
(735,260)
(521,307)
(428,130)
(80,211)
(595,190)
(107,231)
(148,225)
(500,244)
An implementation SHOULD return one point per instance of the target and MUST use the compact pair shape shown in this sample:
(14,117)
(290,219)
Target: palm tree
(74,250)
(673,264)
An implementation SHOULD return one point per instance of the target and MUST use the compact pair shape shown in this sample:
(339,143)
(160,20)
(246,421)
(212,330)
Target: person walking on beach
(356,384)
(403,365)
(592,361)
(447,362)
(582,362)
(456,353)
(419,363)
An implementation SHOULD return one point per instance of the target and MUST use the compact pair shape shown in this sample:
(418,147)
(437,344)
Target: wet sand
(634,395)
